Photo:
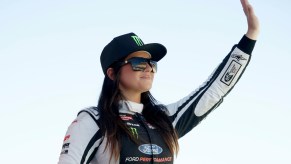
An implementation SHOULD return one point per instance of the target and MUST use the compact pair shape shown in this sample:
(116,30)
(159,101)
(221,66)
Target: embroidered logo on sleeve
(67,137)
(238,57)
(230,72)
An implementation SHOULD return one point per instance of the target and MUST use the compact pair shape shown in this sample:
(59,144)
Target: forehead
(143,54)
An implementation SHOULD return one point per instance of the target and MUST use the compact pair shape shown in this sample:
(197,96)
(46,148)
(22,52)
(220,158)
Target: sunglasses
(139,64)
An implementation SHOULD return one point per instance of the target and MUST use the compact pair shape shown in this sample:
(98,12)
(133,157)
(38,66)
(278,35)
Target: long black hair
(113,127)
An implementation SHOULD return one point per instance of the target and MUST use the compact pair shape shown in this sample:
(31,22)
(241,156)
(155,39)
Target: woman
(128,125)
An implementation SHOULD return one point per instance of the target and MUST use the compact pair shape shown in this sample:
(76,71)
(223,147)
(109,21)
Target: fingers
(253,22)
(245,4)
(250,10)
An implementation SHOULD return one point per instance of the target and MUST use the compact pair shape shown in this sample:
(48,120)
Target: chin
(145,89)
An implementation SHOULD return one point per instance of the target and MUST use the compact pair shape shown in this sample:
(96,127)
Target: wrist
(252,34)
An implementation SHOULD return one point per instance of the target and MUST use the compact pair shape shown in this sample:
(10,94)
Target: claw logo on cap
(137,40)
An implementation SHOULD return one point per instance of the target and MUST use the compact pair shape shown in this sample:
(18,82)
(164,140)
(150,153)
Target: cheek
(125,78)
(125,72)
(126,75)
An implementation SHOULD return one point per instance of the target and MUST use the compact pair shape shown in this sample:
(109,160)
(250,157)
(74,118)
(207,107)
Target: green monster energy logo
(137,40)
(134,132)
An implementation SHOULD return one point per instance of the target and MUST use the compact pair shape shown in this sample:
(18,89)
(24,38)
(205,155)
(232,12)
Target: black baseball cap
(123,45)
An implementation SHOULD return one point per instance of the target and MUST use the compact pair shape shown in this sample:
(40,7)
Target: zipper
(141,119)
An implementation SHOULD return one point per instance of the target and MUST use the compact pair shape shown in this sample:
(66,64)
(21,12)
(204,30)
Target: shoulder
(89,113)
(86,124)
(82,137)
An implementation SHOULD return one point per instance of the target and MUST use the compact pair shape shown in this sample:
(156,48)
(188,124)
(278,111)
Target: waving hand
(252,19)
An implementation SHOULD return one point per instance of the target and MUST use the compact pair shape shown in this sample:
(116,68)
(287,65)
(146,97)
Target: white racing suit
(84,143)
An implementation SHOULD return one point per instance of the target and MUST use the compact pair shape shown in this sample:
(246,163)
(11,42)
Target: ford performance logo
(150,149)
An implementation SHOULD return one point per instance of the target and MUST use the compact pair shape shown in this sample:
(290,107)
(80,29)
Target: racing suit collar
(130,106)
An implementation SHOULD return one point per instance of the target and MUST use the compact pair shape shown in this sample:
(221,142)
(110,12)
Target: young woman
(128,125)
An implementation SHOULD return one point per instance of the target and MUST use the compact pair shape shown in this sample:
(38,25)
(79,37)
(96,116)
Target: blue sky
(50,69)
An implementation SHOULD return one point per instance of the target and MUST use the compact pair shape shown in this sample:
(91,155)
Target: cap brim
(157,50)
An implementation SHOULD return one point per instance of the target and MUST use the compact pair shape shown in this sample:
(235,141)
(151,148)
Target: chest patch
(150,149)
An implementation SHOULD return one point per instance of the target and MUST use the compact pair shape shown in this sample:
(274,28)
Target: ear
(110,73)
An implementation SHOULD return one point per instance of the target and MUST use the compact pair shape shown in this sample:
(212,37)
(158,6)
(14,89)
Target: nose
(148,68)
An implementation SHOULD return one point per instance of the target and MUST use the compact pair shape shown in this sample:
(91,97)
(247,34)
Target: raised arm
(186,113)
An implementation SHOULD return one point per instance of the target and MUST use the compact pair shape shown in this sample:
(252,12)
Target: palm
(253,22)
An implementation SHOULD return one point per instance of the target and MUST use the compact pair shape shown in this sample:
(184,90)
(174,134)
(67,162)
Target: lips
(146,77)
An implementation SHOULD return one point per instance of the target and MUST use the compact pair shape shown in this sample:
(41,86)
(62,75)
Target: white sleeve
(81,140)
(186,113)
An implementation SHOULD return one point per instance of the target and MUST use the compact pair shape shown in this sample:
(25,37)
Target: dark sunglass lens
(154,66)
(137,64)
(140,64)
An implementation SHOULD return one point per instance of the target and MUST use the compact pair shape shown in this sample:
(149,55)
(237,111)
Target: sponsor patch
(67,137)
(131,159)
(125,118)
(150,149)
(75,121)
(148,159)
(134,132)
(66,145)
(230,72)
(65,152)
(163,159)
(238,57)
(131,124)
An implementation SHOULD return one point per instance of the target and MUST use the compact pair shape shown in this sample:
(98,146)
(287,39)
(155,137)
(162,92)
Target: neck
(132,96)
